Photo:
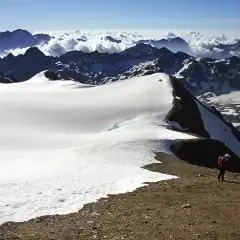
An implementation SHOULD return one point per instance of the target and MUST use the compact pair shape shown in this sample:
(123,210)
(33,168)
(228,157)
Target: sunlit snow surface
(64,144)
(219,130)
(227,104)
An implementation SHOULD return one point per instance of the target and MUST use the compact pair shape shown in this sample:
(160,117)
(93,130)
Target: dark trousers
(221,174)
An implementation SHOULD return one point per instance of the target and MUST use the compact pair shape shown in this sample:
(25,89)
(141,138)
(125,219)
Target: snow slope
(64,144)
(218,129)
(227,104)
(231,98)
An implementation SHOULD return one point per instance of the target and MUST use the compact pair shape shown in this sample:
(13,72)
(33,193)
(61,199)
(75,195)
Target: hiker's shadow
(234,182)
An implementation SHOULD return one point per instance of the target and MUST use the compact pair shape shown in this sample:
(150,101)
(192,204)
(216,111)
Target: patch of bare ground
(195,206)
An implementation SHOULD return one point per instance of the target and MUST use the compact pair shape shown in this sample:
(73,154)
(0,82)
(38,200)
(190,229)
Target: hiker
(222,166)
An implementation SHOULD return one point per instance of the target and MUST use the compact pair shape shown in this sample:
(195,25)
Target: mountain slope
(7,79)
(199,75)
(21,39)
(208,123)
(175,44)
(56,134)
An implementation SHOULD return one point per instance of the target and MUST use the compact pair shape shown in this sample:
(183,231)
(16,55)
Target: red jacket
(222,163)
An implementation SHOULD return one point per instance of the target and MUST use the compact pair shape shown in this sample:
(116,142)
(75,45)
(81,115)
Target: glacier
(64,144)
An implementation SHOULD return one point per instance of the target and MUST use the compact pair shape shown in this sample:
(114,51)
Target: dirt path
(195,206)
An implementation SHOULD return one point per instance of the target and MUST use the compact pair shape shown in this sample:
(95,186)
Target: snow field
(63,144)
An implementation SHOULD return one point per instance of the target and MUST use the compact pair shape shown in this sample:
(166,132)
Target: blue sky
(119,14)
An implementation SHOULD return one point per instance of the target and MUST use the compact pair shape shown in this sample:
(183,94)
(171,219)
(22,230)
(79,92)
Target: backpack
(221,162)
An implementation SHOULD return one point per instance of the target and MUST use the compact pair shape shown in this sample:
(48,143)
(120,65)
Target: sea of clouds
(88,41)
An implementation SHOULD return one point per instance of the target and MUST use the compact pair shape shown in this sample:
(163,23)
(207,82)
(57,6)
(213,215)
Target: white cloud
(16,51)
(201,44)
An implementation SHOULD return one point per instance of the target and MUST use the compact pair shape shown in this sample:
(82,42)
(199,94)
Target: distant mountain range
(176,44)
(199,75)
(19,39)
